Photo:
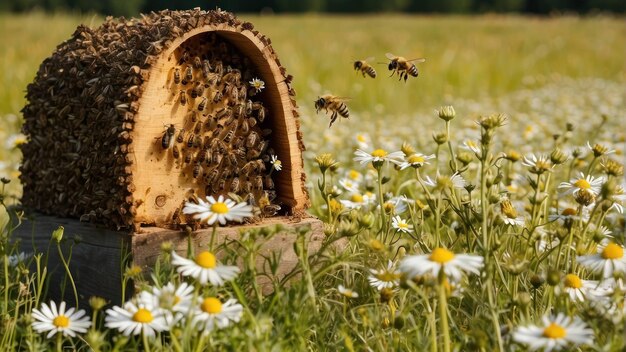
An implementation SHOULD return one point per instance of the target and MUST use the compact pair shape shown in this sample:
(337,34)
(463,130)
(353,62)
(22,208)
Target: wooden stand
(98,254)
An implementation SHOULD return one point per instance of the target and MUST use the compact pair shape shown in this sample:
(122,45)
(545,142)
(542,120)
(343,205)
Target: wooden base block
(98,254)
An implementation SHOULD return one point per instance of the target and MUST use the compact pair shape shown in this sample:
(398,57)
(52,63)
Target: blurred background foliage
(133,7)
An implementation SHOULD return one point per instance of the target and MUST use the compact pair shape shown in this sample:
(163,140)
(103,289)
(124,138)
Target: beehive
(128,121)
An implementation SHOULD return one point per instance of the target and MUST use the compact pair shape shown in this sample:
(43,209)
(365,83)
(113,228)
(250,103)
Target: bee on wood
(221,186)
(194,117)
(166,139)
(176,215)
(177,75)
(333,103)
(223,113)
(365,68)
(218,97)
(188,156)
(206,69)
(403,67)
(216,157)
(229,136)
(258,183)
(244,127)
(197,170)
(197,63)
(197,142)
(251,121)
(197,90)
(188,75)
(218,130)
(252,139)
(184,58)
(183,98)
(175,152)
(203,156)
(197,128)
(261,114)
(202,104)
(234,185)
(233,77)
(213,176)
(266,207)
(190,140)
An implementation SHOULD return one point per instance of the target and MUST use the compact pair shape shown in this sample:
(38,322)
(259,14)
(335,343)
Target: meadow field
(498,223)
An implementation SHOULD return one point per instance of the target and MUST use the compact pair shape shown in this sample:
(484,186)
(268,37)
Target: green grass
(560,81)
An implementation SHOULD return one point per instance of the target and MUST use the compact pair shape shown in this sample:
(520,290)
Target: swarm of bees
(223,143)
(397,65)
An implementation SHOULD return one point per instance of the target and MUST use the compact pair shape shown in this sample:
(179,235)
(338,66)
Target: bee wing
(371,58)
(421,59)
(390,56)
(342,98)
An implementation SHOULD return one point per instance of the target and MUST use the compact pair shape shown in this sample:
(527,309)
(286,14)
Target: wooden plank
(97,252)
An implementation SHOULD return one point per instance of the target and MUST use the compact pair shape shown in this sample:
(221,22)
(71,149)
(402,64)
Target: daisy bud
(5,180)
(613,168)
(95,340)
(386,294)
(325,161)
(398,323)
(97,303)
(385,323)
(523,299)
(329,230)
(446,113)
(166,247)
(513,156)
(375,245)
(584,197)
(558,157)
(599,150)
(133,271)
(464,158)
(347,229)
(537,281)
(554,277)
(366,220)
(407,149)
(440,137)
(57,234)
(492,121)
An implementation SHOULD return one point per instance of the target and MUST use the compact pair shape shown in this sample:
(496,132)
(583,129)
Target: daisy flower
(276,164)
(349,185)
(257,84)
(205,268)
(355,176)
(509,214)
(609,259)
(452,264)
(538,165)
(582,182)
(401,225)
(378,157)
(416,161)
(15,259)
(609,298)
(52,320)
(220,210)
(174,301)
(599,150)
(576,288)
(136,318)
(555,333)
(472,145)
(211,313)
(568,215)
(384,278)
(442,182)
(15,140)
(363,140)
(356,201)
(347,292)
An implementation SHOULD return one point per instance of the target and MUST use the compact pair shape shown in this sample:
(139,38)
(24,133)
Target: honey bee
(233,77)
(248,168)
(188,155)
(197,90)
(188,75)
(268,182)
(197,170)
(166,139)
(216,157)
(221,186)
(213,176)
(232,159)
(197,63)
(229,136)
(365,68)
(183,98)
(234,185)
(240,152)
(227,172)
(333,103)
(261,114)
(258,183)
(203,156)
(239,110)
(251,121)
(243,93)
(202,104)
(219,70)
(247,187)
(223,112)
(181,136)
(266,207)
(206,69)
(183,58)
(190,140)
(194,117)
(245,126)
(177,75)
(252,139)
(176,215)
(217,97)
(403,67)
(197,128)
(175,152)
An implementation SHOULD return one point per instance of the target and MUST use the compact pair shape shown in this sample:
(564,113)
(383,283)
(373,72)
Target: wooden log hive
(128,121)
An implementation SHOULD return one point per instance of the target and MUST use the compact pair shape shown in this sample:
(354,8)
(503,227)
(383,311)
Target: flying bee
(197,90)
(365,68)
(197,63)
(202,104)
(333,103)
(166,139)
(403,67)
(252,139)
(183,98)
(197,170)
(206,68)
(175,152)
(234,185)
(177,75)
(188,75)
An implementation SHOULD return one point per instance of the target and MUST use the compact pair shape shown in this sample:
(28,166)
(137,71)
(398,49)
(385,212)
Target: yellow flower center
(278,163)
(554,331)
(612,251)
(568,212)
(61,321)
(582,184)
(354,175)
(219,208)
(376,245)
(211,305)
(357,198)
(542,165)
(379,153)
(414,159)
(176,300)
(361,138)
(573,281)
(507,209)
(441,255)
(387,276)
(206,260)
(403,225)
(143,316)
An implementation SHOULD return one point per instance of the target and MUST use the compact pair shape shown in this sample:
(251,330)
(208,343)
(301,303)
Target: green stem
(69,274)
(213,233)
(144,338)
(383,217)
(443,311)
(452,157)
(59,342)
